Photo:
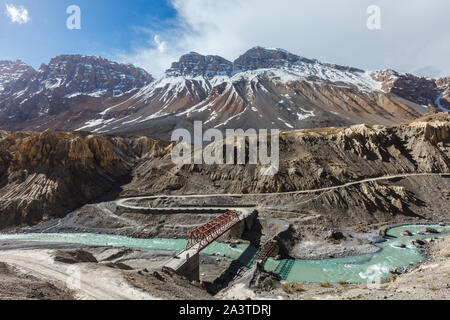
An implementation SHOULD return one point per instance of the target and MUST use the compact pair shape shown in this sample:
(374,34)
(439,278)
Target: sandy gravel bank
(86,280)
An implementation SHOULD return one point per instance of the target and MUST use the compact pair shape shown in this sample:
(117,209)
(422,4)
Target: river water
(350,269)
(359,268)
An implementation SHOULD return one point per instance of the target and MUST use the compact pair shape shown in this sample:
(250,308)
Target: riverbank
(429,280)
(85,281)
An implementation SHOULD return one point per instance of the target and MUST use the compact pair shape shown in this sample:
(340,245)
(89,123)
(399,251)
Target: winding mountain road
(122,202)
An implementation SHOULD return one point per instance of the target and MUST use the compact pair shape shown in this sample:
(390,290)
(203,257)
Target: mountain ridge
(262,88)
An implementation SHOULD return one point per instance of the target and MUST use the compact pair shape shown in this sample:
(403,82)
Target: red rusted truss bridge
(212,230)
(187,261)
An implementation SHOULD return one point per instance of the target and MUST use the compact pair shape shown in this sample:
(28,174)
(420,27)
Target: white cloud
(17,14)
(414,37)
(161,45)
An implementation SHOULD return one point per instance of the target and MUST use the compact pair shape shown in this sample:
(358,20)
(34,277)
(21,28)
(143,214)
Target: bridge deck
(178,261)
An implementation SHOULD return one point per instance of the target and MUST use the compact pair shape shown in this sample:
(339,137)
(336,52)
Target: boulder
(407,233)
(398,270)
(120,266)
(320,172)
(418,243)
(429,230)
(336,235)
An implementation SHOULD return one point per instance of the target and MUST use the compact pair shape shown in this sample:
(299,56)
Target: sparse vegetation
(336,241)
(391,278)
(361,228)
(325,285)
(292,287)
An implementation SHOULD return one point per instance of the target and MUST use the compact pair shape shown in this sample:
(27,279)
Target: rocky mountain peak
(68,83)
(11,72)
(260,58)
(86,74)
(194,64)
(421,90)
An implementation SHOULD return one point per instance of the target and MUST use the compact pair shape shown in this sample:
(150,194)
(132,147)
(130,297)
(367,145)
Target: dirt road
(122,202)
(88,281)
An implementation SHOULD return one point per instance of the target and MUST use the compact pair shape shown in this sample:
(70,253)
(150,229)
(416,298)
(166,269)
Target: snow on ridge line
(94,94)
(313,73)
(167,88)
(231,118)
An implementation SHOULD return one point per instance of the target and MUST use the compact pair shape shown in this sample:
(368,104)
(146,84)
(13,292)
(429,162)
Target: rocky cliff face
(65,93)
(49,174)
(11,73)
(264,58)
(420,90)
(317,158)
(195,65)
(268,88)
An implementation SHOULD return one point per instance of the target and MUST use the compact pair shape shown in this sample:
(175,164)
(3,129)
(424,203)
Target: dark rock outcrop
(74,256)
(194,65)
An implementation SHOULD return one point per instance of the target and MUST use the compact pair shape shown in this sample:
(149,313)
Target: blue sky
(107,27)
(414,35)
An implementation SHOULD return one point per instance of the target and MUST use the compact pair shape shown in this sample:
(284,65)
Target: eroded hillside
(50,174)
(313,159)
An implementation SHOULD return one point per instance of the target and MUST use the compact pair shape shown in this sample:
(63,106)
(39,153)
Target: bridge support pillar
(238,230)
(190,268)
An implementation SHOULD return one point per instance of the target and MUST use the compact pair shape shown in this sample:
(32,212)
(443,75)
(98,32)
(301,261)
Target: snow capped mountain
(70,86)
(263,88)
(11,72)
(424,91)
(91,76)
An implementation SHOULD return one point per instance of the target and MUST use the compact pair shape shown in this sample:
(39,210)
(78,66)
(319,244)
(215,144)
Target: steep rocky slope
(50,174)
(314,158)
(421,90)
(64,94)
(271,88)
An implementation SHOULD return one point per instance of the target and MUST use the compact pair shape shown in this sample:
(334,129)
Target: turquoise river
(352,269)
